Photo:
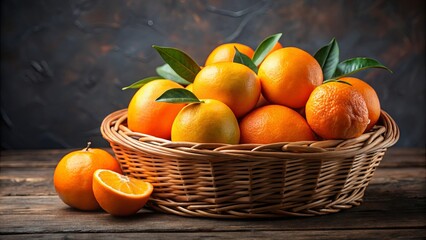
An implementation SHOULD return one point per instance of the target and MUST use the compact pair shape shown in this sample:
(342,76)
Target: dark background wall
(63,63)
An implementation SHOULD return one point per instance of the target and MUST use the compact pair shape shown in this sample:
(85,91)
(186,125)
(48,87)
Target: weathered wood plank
(406,234)
(394,206)
(39,181)
(404,157)
(26,181)
(47,214)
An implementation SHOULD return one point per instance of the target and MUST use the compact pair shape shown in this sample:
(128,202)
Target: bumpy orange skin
(226,53)
(231,83)
(274,123)
(116,203)
(208,122)
(337,111)
(370,97)
(145,115)
(73,176)
(288,76)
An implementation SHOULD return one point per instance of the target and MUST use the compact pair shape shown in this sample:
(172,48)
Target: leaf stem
(88,146)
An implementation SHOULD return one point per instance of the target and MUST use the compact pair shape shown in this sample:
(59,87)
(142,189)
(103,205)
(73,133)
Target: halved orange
(120,195)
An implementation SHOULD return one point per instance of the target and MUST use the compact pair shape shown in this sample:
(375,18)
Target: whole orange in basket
(209,121)
(337,110)
(261,102)
(274,123)
(145,115)
(226,52)
(370,97)
(120,195)
(231,83)
(73,176)
(189,87)
(288,76)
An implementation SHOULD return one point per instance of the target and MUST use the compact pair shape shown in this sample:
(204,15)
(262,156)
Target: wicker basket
(250,181)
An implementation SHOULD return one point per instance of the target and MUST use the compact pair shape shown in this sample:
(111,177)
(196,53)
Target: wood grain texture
(39,214)
(406,234)
(394,207)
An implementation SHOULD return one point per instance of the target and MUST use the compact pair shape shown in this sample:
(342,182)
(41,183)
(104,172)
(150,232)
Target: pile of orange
(240,96)
(285,100)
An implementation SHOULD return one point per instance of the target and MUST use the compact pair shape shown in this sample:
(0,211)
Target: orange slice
(120,195)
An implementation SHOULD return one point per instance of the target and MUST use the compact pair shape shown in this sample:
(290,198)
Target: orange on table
(73,176)
(337,110)
(226,52)
(145,115)
(370,97)
(234,84)
(210,121)
(120,195)
(288,76)
(274,123)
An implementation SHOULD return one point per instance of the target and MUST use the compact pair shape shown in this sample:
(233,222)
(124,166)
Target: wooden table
(394,207)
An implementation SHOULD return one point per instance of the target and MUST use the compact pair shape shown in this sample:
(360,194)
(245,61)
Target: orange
(337,111)
(226,52)
(231,83)
(370,97)
(120,195)
(190,87)
(145,115)
(210,121)
(73,176)
(288,76)
(261,102)
(274,123)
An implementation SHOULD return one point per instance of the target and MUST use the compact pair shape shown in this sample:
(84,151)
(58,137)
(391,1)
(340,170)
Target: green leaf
(240,57)
(180,62)
(168,73)
(178,95)
(336,80)
(142,82)
(265,47)
(328,58)
(353,65)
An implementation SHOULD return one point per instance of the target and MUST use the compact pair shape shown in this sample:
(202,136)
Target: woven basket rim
(383,135)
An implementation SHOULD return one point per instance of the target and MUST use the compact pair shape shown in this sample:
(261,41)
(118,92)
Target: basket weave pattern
(251,180)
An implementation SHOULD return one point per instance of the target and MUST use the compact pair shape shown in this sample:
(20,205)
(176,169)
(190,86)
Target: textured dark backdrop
(63,63)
